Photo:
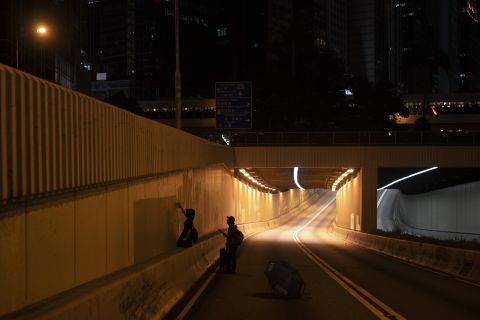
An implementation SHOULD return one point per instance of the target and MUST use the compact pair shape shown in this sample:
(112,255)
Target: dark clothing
(231,235)
(231,257)
(231,249)
(186,240)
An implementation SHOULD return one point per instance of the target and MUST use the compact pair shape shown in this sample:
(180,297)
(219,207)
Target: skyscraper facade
(371,33)
(439,40)
(469,46)
(131,47)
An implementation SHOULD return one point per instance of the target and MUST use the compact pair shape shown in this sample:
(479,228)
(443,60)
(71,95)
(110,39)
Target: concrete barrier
(64,242)
(149,289)
(464,264)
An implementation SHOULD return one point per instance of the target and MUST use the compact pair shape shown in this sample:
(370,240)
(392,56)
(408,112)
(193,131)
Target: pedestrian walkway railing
(342,138)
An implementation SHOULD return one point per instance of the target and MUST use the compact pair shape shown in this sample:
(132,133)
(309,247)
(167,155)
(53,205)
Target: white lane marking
(343,281)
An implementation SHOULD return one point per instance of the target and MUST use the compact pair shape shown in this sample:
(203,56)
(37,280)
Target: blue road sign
(233,105)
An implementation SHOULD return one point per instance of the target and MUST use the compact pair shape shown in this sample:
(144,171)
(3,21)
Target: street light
(41,30)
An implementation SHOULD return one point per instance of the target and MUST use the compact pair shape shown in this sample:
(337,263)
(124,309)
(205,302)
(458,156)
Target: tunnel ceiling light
(407,177)
(340,178)
(295,177)
(251,177)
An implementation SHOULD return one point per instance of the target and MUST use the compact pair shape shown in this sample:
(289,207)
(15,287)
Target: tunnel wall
(349,204)
(448,213)
(51,247)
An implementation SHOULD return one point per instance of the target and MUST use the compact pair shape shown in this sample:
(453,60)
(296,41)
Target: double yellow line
(377,307)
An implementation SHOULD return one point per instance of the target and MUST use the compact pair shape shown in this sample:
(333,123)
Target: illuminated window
(222,32)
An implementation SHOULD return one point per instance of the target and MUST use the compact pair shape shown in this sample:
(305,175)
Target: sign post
(233,105)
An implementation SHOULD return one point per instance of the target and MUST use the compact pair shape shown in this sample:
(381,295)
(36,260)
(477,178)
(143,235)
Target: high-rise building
(336,27)
(132,47)
(7,32)
(54,56)
(421,53)
(241,38)
(469,46)
(110,42)
(440,44)
(369,39)
(280,36)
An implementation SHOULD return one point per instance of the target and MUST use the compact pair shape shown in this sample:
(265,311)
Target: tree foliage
(305,100)
(372,107)
(313,99)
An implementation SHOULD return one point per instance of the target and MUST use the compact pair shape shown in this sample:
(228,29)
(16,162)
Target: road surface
(344,281)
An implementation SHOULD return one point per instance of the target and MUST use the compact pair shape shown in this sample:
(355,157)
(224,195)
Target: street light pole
(42,31)
(16,51)
(178,78)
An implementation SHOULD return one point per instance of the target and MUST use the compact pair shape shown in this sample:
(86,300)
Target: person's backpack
(237,237)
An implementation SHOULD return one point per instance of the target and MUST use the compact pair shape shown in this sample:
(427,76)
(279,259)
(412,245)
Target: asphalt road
(343,281)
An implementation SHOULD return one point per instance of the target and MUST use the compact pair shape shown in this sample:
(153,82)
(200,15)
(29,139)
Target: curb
(460,263)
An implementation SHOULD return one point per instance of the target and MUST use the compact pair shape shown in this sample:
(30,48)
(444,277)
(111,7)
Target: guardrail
(398,138)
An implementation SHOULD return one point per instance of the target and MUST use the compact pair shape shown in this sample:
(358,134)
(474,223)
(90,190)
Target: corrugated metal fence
(54,139)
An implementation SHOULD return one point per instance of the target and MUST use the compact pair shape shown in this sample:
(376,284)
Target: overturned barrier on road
(461,263)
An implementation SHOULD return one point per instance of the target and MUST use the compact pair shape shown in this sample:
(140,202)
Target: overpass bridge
(88,195)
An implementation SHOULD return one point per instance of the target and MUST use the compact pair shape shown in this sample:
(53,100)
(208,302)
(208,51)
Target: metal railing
(54,140)
(376,138)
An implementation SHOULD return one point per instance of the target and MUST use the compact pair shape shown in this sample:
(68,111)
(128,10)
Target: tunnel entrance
(283,179)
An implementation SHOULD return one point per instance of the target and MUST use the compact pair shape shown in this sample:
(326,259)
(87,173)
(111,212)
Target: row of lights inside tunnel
(335,184)
(341,178)
(256,182)
(350,171)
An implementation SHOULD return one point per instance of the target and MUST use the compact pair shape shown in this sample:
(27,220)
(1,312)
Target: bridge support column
(369,199)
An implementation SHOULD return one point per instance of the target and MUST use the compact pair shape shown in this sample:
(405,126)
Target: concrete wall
(60,244)
(463,264)
(450,213)
(349,204)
